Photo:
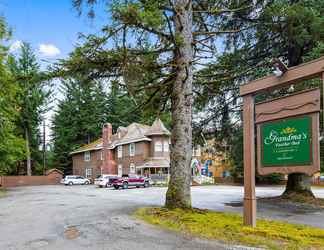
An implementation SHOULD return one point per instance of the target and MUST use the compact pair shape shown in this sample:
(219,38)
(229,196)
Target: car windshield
(99,176)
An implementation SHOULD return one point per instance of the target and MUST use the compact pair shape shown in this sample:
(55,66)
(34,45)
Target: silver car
(75,180)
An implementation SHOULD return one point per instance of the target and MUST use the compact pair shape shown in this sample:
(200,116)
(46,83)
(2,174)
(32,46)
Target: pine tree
(78,119)
(291,30)
(11,144)
(32,99)
(153,46)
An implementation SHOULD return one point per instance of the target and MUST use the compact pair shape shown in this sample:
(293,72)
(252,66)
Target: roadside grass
(296,198)
(227,227)
(2,192)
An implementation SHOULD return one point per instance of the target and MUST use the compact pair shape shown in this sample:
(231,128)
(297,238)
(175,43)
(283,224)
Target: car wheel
(87,183)
(146,184)
(70,183)
(107,185)
(137,186)
(125,185)
(116,187)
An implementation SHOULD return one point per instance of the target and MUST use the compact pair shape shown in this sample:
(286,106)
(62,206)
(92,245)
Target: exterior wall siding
(80,166)
(143,151)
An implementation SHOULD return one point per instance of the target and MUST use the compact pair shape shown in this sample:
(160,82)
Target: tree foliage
(32,98)
(11,145)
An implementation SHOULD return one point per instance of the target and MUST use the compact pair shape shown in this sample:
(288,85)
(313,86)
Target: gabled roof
(135,132)
(96,145)
(158,128)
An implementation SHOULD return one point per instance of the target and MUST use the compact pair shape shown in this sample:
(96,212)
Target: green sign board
(287,142)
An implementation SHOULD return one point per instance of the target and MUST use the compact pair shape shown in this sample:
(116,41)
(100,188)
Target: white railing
(202,179)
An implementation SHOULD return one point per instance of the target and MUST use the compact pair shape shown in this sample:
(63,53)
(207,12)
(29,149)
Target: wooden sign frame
(310,169)
(310,70)
(296,105)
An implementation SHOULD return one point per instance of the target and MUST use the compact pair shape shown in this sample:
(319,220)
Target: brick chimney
(108,164)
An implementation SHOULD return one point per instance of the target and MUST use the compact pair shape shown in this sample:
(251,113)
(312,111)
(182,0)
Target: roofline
(85,150)
(158,133)
(131,141)
(115,145)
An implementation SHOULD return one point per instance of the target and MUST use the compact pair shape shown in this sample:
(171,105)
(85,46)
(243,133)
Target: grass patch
(296,198)
(2,192)
(228,227)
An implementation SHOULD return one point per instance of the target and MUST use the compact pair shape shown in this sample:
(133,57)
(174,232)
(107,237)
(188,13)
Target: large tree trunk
(178,194)
(298,184)
(29,172)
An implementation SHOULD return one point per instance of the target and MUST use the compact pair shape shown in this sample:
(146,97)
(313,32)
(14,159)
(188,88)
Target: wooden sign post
(287,130)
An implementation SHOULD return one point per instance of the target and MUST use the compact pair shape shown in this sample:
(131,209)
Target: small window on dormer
(87,156)
(119,135)
(158,146)
(132,149)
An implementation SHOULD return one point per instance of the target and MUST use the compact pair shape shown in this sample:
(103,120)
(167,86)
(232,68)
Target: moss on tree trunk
(298,184)
(178,194)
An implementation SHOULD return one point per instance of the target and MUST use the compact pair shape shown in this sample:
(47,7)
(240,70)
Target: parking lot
(87,217)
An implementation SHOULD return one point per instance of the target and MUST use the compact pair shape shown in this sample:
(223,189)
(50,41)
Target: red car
(131,181)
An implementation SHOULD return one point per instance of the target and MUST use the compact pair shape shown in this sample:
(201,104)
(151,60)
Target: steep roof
(96,145)
(158,128)
(135,132)
(132,133)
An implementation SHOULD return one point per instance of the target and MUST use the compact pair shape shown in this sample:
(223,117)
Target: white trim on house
(119,151)
(132,149)
(130,141)
(87,156)
(84,150)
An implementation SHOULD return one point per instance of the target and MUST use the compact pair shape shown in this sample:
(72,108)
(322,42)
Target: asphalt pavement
(87,217)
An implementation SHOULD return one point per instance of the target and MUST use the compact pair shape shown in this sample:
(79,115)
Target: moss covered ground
(227,227)
(2,192)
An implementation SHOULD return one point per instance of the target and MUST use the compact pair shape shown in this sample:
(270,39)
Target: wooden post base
(249,212)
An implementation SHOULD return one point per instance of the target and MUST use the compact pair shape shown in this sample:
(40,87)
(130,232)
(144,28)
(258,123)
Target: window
(158,146)
(87,156)
(166,146)
(120,170)
(101,155)
(88,172)
(132,149)
(132,168)
(120,151)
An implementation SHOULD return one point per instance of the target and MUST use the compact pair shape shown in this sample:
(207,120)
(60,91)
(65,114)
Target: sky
(51,27)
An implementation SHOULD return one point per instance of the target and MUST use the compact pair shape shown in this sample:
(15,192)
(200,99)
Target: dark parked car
(131,181)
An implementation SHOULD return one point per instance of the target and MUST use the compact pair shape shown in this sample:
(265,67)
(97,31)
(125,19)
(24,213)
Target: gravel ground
(86,217)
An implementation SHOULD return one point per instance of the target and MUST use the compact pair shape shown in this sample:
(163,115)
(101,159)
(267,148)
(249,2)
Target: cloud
(48,50)
(16,45)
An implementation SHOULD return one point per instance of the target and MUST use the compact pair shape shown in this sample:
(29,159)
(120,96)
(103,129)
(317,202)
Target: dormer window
(119,135)
(132,149)
(158,146)
(87,156)
(120,151)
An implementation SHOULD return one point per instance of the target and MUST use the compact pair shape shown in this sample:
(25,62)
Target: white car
(105,180)
(75,180)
